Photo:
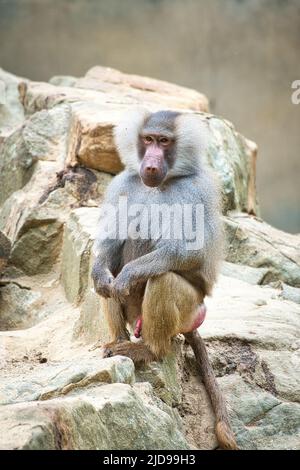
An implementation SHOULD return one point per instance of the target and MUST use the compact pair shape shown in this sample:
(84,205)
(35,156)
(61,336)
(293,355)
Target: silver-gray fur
(126,263)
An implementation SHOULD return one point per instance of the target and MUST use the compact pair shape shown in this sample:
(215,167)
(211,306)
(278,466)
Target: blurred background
(243,54)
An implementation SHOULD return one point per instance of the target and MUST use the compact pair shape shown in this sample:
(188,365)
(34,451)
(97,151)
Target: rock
(252,242)
(244,273)
(59,379)
(46,133)
(245,400)
(5,247)
(108,86)
(233,158)
(37,236)
(27,426)
(19,307)
(28,252)
(290,293)
(79,236)
(260,420)
(21,204)
(63,80)
(108,417)
(43,136)
(85,185)
(16,165)
(163,376)
(281,369)
(41,209)
(260,302)
(235,316)
(32,218)
(92,137)
(11,110)
(51,337)
(91,326)
(283,423)
(76,266)
(105,79)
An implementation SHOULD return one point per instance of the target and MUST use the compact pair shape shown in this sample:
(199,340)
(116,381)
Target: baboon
(147,277)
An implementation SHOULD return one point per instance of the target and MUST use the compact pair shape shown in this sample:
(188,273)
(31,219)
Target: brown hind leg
(114,314)
(168,306)
(118,315)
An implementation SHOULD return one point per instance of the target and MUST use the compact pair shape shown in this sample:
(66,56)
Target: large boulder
(11,109)
(253,342)
(234,160)
(116,416)
(5,246)
(99,100)
(50,380)
(76,267)
(19,307)
(252,242)
(79,235)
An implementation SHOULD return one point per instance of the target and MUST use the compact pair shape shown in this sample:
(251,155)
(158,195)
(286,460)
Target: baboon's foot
(138,352)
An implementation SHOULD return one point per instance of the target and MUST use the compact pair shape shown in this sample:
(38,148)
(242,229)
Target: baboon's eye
(164,141)
(148,139)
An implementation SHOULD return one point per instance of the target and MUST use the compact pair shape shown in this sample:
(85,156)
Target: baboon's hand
(121,285)
(103,280)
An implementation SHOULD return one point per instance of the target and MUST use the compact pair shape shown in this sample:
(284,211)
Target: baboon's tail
(224,432)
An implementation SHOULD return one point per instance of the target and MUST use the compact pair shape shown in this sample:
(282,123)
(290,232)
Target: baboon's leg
(122,314)
(169,306)
(115,317)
